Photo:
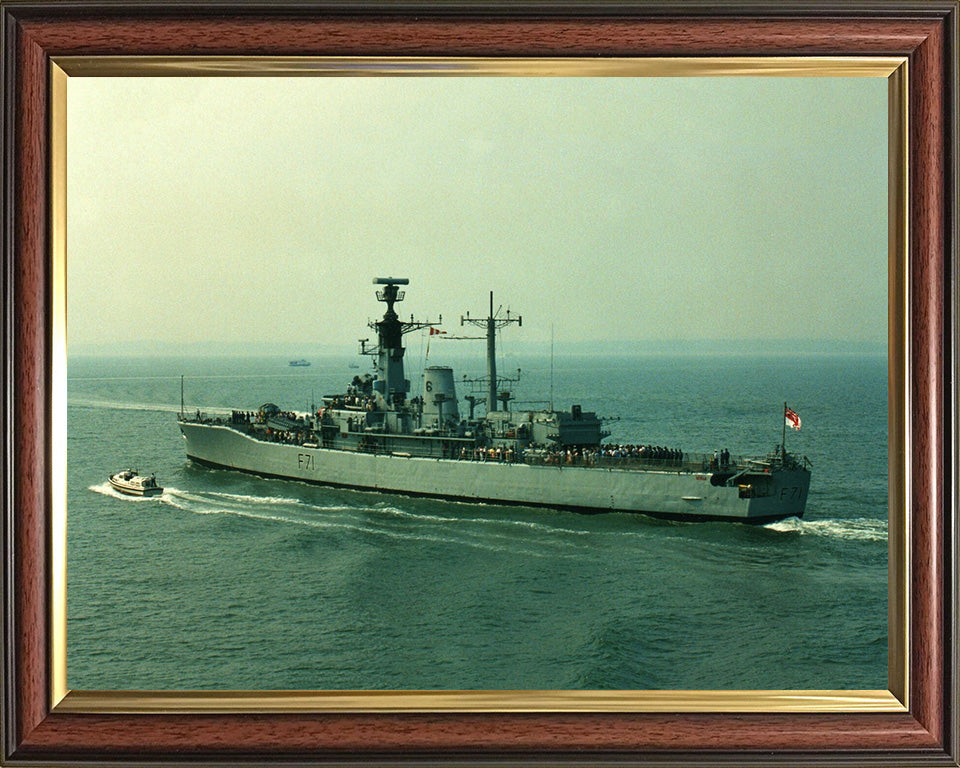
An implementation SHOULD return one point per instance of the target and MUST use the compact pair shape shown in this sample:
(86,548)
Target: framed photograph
(697,263)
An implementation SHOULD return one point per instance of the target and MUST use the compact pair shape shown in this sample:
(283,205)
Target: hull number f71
(305,461)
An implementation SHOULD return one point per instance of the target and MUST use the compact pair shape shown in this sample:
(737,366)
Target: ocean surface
(231,581)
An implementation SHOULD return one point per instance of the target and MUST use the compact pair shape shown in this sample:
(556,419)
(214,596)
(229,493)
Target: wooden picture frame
(37,730)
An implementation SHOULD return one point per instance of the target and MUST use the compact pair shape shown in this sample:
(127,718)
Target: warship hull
(674,493)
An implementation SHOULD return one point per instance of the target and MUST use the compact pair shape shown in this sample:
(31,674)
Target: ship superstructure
(375,436)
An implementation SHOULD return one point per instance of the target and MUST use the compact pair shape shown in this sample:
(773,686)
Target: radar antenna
(391,328)
(390,331)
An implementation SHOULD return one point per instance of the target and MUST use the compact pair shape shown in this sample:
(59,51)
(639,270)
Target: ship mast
(492,323)
(391,382)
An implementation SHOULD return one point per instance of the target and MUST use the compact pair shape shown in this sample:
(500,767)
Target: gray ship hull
(676,494)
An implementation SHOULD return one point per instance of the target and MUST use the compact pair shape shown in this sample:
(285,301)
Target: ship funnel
(439,395)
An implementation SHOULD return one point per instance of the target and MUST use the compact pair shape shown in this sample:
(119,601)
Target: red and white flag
(432,332)
(792,419)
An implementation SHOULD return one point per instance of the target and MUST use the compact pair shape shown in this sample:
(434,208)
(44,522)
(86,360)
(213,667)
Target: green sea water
(231,581)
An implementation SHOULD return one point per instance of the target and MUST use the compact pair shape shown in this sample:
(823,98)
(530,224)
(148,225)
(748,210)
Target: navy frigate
(374,436)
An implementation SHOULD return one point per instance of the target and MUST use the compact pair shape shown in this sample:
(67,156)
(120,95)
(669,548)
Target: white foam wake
(290,511)
(503,522)
(112,405)
(242,498)
(856,529)
(108,490)
(190,503)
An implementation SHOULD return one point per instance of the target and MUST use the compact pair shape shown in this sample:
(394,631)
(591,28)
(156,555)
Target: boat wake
(108,490)
(856,529)
(380,520)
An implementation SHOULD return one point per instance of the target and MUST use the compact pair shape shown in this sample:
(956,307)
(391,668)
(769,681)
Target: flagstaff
(783,439)
(791,418)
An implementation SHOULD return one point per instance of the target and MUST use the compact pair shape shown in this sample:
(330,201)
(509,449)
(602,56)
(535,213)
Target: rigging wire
(423,368)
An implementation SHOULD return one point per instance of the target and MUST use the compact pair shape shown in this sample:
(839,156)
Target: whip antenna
(551,366)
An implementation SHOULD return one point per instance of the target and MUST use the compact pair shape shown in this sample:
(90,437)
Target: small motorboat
(131,482)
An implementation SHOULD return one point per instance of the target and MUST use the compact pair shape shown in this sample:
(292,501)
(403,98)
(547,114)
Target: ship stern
(784,495)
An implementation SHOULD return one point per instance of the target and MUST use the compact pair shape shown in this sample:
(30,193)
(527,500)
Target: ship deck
(690,463)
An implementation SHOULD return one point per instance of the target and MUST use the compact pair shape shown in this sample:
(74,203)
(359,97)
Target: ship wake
(112,405)
(380,521)
(855,529)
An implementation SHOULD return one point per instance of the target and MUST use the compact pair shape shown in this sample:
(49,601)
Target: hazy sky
(622,209)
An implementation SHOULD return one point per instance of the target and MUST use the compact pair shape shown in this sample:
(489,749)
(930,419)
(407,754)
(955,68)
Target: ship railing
(688,462)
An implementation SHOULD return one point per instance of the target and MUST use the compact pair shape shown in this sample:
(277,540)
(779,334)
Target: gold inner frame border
(894,699)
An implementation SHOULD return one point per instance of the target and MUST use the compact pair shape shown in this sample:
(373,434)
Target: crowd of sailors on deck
(643,452)
(614,453)
(360,402)
(259,417)
(358,396)
(289,437)
(577,455)
(299,433)
(493,453)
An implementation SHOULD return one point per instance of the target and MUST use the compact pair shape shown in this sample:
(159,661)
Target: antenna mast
(492,323)
(551,366)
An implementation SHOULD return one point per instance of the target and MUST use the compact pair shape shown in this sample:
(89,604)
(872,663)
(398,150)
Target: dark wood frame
(925,32)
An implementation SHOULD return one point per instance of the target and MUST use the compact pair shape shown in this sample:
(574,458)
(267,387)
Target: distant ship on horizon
(299,363)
